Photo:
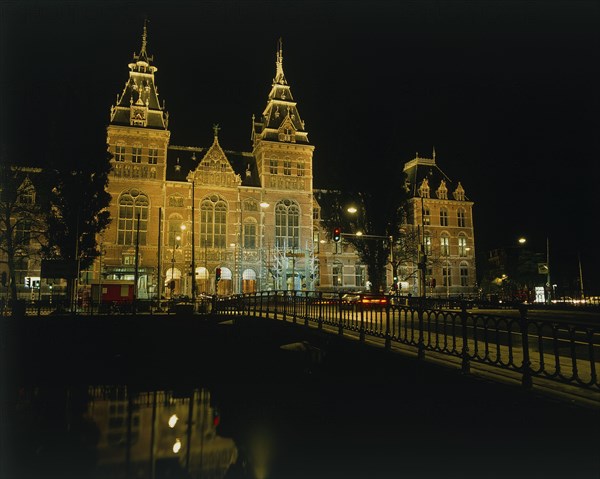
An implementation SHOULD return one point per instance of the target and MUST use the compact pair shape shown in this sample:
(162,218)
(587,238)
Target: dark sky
(507,92)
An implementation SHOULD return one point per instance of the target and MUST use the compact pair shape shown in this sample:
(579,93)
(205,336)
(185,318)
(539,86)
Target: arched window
(213,222)
(287,224)
(444,245)
(133,205)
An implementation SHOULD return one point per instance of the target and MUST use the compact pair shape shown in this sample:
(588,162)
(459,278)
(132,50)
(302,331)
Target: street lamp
(175,241)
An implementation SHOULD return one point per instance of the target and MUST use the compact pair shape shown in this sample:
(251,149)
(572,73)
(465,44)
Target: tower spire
(144,39)
(279,76)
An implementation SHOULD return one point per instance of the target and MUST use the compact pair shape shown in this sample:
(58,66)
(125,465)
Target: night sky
(507,93)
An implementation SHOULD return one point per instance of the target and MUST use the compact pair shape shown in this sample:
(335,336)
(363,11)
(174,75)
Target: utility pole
(193,248)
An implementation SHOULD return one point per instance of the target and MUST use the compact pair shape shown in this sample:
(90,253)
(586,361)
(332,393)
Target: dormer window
(424,189)
(459,193)
(442,191)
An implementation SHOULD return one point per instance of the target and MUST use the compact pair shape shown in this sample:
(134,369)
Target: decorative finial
(144,38)
(279,76)
(216,129)
(434,153)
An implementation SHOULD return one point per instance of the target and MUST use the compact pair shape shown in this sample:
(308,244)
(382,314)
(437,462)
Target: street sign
(543,268)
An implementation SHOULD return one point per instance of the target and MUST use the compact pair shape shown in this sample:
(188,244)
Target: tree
(379,217)
(21,222)
(78,205)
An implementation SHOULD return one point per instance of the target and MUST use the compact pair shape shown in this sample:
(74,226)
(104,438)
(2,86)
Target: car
(363,300)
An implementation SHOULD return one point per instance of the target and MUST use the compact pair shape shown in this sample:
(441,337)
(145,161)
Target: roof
(181,160)
(418,169)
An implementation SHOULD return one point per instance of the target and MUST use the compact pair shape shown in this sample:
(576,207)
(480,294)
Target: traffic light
(217,274)
(337,234)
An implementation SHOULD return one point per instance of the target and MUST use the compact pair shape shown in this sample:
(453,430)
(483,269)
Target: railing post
(275,296)
(388,336)
(361,336)
(590,334)
(465,365)
(340,315)
(285,304)
(306,307)
(320,305)
(526,381)
(294,299)
(420,343)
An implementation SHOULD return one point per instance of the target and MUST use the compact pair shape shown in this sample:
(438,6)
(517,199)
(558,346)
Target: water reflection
(112,432)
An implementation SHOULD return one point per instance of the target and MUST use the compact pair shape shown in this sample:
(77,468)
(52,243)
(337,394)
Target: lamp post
(263,204)
(175,241)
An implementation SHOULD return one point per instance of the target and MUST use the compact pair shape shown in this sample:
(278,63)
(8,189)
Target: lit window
(427,243)
(287,167)
(300,169)
(445,245)
(462,246)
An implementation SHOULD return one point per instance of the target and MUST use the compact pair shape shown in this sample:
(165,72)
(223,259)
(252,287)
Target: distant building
(441,216)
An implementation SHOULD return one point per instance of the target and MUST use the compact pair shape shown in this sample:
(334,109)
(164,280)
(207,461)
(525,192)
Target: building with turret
(185,214)
(205,219)
(440,215)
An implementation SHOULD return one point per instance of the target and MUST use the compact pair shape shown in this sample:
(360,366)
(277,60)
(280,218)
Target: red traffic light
(337,234)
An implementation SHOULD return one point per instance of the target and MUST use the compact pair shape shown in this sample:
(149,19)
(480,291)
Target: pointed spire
(279,76)
(143,52)
(434,153)
(143,55)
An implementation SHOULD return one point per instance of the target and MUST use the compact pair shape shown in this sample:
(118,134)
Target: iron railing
(565,351)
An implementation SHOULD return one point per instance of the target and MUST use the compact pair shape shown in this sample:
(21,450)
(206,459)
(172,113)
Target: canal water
(222,402)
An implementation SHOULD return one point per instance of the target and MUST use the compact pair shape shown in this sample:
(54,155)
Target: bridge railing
(562,351)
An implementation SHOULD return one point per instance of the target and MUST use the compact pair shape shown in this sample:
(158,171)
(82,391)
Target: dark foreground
(338,410)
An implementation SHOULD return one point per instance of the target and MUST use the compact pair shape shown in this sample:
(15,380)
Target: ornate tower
(284,163)
(138,138)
